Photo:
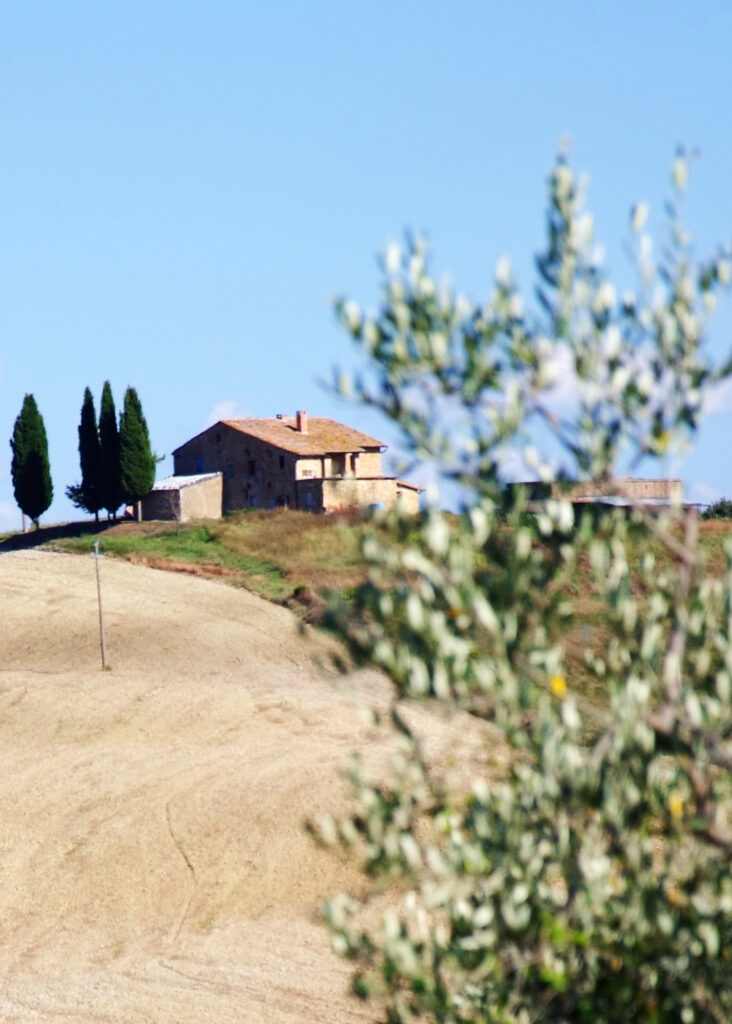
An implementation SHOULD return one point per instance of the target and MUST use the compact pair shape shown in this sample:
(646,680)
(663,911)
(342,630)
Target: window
(199,465)
(282,461)
(231,471)
(252,467)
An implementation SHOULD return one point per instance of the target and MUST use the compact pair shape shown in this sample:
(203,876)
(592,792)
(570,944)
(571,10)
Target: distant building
(294,462)
(621,491)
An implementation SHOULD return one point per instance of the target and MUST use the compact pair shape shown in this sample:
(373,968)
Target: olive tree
(589,878)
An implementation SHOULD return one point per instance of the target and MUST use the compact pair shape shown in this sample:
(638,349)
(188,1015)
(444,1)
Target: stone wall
(336,493)
(383,490)
(309,469)
(632,488)
(255,474)
(369,464)
(408,497)
(202,500)
(351,491)
(163,505)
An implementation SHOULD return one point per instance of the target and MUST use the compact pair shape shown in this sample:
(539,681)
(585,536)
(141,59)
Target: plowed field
(153,864)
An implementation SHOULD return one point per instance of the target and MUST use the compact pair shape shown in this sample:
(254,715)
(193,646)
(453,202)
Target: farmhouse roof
(174,483)
(322,437)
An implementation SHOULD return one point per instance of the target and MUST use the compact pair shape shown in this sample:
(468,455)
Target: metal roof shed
(182,498)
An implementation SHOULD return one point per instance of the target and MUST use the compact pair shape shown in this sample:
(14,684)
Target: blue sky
(184,186)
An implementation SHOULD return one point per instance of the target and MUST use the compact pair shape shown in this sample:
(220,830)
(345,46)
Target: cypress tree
(87,494)
(30,468)
(137,462)
(110,490)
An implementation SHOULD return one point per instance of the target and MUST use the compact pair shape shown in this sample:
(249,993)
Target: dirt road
(153,865)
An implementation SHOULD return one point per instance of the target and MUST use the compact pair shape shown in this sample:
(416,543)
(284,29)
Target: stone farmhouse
(296,461)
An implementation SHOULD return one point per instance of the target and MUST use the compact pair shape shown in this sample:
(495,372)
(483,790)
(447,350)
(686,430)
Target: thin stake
(97,556)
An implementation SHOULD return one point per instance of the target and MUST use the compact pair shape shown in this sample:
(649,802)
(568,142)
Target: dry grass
(296,558)
(322,552)
(270,553)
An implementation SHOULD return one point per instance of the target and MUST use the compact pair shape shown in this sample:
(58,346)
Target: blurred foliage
(590,879)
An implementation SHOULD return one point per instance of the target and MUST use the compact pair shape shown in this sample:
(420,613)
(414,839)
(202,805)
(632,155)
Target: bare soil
(153,862)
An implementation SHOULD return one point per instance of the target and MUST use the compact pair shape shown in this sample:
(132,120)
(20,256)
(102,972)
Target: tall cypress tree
(87,494)
(110,490)
(137,462)
(30,467)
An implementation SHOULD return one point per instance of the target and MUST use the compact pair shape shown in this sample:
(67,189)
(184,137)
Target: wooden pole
(96,557)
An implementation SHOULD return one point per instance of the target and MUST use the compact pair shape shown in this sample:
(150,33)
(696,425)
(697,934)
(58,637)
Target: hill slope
(152,857)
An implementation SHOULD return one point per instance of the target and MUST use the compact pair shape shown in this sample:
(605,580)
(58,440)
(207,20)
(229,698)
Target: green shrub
(721,509)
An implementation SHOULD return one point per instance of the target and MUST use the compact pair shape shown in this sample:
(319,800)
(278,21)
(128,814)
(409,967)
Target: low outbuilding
(182,498)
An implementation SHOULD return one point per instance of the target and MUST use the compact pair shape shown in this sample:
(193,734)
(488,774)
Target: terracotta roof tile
(323,435)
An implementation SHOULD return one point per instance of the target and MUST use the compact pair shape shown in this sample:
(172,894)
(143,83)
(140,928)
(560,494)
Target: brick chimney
(301,418)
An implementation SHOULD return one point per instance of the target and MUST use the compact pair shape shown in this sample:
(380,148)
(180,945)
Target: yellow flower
(676,806)
(662,441)
(673,895)
(558,686)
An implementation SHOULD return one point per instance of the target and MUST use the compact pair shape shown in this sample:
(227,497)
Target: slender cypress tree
(137,462)
(87,494)
(110,490)
(30,468)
